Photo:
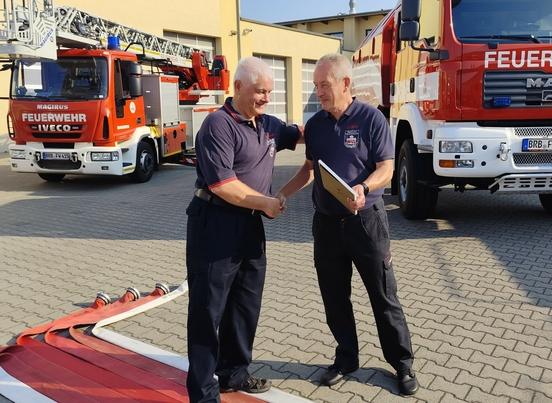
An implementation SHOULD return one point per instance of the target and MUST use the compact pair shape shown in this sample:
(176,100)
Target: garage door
(278,98)
(311,104)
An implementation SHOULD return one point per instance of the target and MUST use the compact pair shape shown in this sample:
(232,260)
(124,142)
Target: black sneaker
(408,384)
(334,374)
(249,385)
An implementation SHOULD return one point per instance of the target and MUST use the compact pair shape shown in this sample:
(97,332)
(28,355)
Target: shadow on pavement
(276,370)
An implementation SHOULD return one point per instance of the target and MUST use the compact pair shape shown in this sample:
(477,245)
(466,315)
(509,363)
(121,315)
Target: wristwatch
(365,187)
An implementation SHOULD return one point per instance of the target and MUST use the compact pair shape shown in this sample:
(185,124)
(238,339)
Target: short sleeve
(286,135)
(382,143)
(307,134)
(215,151)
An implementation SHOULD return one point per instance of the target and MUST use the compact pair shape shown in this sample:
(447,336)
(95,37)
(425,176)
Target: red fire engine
(91,109)
(467,87)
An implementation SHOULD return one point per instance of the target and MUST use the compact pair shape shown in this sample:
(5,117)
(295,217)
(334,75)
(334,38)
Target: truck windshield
(502,21)
(62,79)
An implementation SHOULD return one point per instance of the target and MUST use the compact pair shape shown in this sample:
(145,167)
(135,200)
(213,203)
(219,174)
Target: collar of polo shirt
(350,109)
(230,107)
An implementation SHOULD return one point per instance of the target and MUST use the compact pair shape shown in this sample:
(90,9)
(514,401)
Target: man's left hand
(360,199)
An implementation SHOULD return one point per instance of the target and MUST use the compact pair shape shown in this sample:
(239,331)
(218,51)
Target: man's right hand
(273,207)
(283,201)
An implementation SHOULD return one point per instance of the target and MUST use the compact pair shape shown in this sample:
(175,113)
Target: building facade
(350,28)
(216,26)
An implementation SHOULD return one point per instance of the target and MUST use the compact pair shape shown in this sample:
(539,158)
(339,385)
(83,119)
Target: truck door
(417,76)
(129,110)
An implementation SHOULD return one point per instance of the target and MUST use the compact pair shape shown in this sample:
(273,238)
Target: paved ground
(475,283)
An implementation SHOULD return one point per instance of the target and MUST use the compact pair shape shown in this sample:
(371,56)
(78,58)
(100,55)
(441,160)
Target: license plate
(536,145)
(56,156)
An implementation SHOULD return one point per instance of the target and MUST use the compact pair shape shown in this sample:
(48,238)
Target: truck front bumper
(497,152)
(82,160)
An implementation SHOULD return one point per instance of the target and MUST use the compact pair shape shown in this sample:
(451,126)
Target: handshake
(275,206)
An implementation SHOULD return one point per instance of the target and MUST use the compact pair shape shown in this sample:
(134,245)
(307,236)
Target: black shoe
(249,385)
(408,384)
(334,374)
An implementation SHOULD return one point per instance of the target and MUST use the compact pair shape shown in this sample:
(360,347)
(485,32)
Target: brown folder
(335,185)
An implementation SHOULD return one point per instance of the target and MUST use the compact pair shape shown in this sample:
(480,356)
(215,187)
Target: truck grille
(526,159)
(59,164)
(513,84)
(48,135)
(533,131)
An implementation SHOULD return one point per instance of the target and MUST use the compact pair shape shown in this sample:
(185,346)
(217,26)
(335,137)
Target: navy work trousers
(362,239)
(226,264)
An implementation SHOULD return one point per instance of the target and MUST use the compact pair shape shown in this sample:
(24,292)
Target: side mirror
(410,10)
(134,80)
(409,31)
(135,86)
(135,69)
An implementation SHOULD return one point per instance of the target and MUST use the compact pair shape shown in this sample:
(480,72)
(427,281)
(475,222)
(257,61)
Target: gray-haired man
(225,250)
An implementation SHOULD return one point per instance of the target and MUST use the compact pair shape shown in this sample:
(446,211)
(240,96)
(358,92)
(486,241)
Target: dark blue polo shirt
(229,147)
(350,147)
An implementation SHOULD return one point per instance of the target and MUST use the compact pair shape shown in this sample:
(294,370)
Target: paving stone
(441,384)
(523,395)
(533,372)
(485,385)
(476,395)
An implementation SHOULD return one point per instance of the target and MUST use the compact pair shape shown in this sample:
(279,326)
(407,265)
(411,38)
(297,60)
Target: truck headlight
(447,146)
(17,154)
(104,156)
(456,163)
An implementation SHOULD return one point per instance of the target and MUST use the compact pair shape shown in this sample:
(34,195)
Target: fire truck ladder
(34,30)
(27,29)
(76,26)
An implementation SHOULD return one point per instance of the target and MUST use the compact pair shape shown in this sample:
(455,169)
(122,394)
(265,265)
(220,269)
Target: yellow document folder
(335,185)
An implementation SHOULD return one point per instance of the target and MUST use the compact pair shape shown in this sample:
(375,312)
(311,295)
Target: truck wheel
(416,200)
(546,201)
(145,163)
(52,177)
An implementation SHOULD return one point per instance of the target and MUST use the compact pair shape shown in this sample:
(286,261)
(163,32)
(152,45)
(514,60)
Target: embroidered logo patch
(271,141)
(351,138)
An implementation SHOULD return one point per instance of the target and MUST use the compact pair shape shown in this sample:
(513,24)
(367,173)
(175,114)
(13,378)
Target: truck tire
(145,163)
(416,200)
(546,201)
(52,177)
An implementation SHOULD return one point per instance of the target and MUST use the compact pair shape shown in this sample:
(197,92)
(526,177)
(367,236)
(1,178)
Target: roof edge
(301,31)
(335,17)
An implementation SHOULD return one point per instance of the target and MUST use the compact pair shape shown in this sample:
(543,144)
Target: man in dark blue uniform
(355,141)
(225,250)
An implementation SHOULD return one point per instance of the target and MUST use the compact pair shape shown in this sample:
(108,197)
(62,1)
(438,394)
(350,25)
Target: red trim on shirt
(222,182)
(236,116)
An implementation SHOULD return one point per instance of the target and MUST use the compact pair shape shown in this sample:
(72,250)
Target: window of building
(310,102)
(278,99)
